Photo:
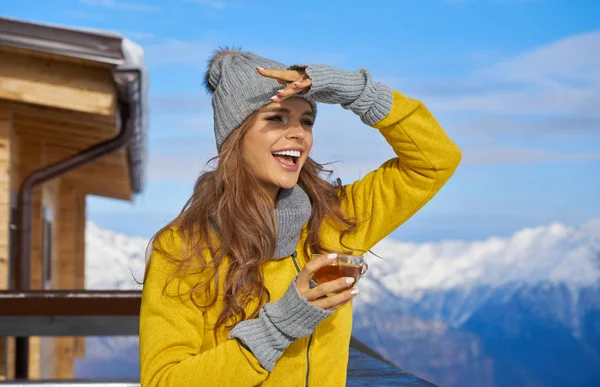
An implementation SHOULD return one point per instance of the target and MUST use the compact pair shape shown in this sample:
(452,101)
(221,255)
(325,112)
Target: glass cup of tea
(343,265)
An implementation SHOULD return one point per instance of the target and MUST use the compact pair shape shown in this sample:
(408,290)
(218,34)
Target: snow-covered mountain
(467,274)
(518,311)
(113,261)
(553,253)
(515,311)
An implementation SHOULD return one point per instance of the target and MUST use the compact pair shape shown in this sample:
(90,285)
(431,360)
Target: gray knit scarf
(292,211)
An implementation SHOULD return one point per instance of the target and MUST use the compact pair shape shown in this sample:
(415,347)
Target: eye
(275,118)
(308,122)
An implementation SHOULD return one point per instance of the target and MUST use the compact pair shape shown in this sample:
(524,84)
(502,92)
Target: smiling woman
(228,296)
(277,143)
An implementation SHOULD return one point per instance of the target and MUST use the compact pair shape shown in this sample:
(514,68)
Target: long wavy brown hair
(230,219)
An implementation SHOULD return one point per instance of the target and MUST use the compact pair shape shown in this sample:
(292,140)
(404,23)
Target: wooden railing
(69,313)
(115,313)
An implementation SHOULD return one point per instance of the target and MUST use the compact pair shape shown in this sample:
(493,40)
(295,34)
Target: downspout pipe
(128,83)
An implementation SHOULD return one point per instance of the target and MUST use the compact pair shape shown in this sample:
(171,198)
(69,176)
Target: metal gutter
(76,43)
(129,85)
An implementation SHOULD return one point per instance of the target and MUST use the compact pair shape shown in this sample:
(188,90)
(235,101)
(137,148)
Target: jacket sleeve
(171,335)
(388,196)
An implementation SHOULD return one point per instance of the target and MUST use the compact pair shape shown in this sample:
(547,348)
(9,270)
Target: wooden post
(80,216)
(6,134)
(65,275)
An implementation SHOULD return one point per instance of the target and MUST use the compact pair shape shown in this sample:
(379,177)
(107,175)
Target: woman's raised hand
(318,295)
(296,81)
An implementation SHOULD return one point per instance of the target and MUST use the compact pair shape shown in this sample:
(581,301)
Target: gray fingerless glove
(278,325)
(356,91)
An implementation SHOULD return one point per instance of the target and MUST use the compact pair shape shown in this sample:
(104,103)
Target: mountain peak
(553,253)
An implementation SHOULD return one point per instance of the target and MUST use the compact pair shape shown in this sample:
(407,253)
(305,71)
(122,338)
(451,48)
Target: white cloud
(520,156)
(563,61)
(567,125)
(121,5)
(562,77)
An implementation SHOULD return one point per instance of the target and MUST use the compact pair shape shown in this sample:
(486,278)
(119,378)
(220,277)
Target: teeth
(293,153)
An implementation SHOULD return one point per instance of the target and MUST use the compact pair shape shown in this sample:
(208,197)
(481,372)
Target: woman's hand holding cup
(318,295)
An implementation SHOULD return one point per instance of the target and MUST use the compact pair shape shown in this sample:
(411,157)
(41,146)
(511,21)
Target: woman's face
(278,143)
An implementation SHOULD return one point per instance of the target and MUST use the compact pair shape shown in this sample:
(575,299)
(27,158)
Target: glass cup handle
(364,269)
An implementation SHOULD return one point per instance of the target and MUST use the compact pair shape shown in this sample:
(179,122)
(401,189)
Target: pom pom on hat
(211,82)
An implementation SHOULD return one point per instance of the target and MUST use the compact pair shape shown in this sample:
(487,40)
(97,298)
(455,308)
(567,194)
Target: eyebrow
(287,111)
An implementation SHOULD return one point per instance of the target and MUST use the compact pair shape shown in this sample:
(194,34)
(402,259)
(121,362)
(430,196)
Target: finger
(328,288)
(307,272)
(284,94)
(334,302)
(286,75)
(292,89)
(304,83)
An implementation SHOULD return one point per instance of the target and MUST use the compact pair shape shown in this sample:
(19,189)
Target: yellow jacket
(177,345)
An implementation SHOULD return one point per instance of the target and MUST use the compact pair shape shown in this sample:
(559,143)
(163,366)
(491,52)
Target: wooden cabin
(72,124)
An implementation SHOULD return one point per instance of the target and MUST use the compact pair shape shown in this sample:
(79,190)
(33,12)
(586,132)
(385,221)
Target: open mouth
(288,157)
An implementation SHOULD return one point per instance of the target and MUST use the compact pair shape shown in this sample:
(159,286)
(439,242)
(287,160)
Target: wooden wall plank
(66,124)
(57,84)
(6,156)
(76,140)
(52,116)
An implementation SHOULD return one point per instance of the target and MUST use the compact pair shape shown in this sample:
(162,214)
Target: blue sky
(516,83)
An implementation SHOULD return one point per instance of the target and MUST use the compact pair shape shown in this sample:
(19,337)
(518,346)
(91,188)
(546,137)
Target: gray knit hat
(238,89)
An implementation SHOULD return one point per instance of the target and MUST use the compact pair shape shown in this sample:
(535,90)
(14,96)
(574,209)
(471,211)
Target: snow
(553,254)
(113,260)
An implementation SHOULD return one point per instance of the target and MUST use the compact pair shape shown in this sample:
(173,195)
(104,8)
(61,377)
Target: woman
(228,298)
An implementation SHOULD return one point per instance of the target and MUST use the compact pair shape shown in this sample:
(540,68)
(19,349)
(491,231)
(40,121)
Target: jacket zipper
(308,358)
(310,338)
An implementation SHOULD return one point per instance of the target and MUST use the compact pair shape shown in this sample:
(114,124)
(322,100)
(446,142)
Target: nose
(296,131)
